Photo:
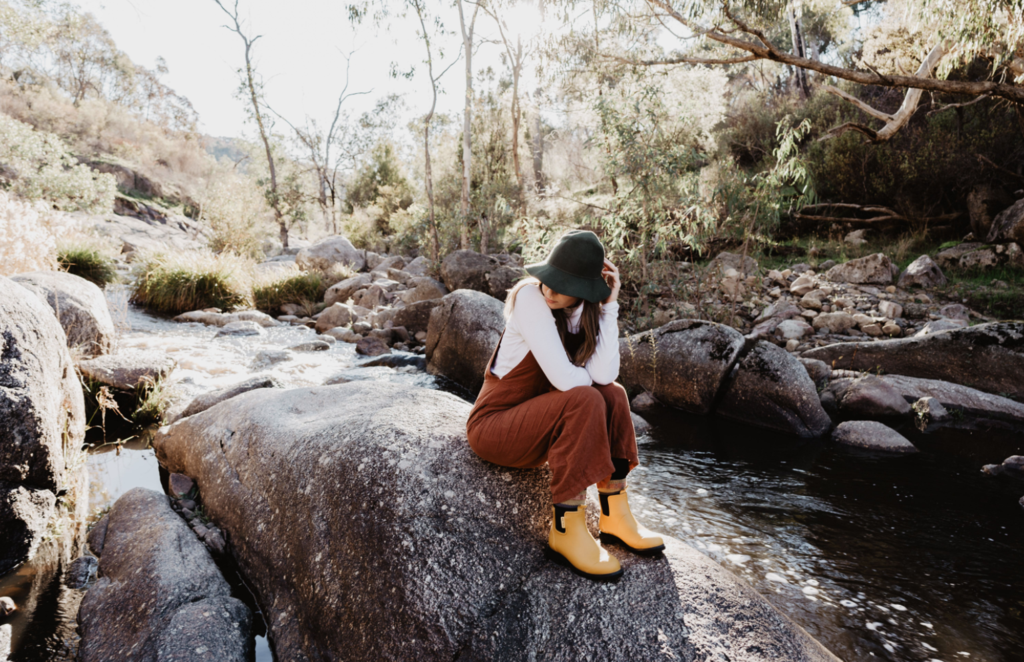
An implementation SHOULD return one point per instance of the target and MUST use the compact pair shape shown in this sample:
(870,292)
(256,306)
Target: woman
(549,395)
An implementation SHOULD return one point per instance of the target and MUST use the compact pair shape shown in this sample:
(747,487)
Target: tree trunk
(426,136)
(485,230)
(538,154)
(798,50)
(467,124)
(517,65)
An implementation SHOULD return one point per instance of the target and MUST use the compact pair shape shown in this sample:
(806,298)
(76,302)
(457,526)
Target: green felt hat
(574,267)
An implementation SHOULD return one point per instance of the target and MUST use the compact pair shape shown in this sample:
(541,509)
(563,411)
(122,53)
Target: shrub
(179,282)
(86,259)
(28,235)
(270,293)
(38,166)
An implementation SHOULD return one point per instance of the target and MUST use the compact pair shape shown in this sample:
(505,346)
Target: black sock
(621,468)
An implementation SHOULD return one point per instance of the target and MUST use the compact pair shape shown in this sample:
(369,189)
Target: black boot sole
(610,539)
(552,555)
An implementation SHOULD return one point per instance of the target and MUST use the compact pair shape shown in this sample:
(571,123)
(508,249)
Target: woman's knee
(587,396)
(614,395)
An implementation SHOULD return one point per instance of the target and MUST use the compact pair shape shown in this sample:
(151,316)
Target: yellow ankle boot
(619,525)
(570,543)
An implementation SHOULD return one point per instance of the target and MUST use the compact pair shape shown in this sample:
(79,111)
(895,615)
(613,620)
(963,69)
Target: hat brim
(594,290)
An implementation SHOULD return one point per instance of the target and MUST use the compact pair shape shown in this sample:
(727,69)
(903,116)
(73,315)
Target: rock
(159,595)
(80,307)
(311,346)
(811,300)
(826,265)
(955,311)
(980,259)
(872,435)
(1008,225)
(834,322)
(7,607)
(793,328)
(42,422)
(180,485)
(467,270)
(362,328)
(382,267)
(341,292)
(1014,255)
(421,266)
(874,269)
(890,309)
(135,235)
(950,257)
(423,288)
(81,571)
(802,285)
(236,329)
(931,410)
(211,318)
(644,401)
(873,330)
(214,541)
(269,357)
(988,357)
(338,314)
(416,316)
(370,298)
(682,363)
(746,266)
(372,346)
(773,390)
(922,272)
(403,452)
(818,371)
(855,238)
(984,202)
(461,335)
(503,279)
(935,326)
(977,409)
(640,426)
(343,334)
(328,252)
(869,396)
(98,534)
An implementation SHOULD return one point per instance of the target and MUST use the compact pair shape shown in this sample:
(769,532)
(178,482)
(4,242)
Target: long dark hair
(590,321)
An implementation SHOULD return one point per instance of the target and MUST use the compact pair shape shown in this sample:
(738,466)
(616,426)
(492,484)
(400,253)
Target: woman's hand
(611,276)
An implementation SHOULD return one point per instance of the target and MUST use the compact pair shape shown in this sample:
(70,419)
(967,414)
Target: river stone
(922,272)
(312,346)
(874,269)
(98,534)
(834,322)
(338,314)
(640,426)
(343,334)
(212,318)
(467,270)
(462,333)
(745,265)
(270,357)
(773,390)
(80,572)
(342,291)
(415,317)
(503,279)
(382,267)
(79,305)
(869,396)
(988,357)
(978,408)
(153,568)
(950,257)
(128,369)
(421,266)
(372,346)
(1008,225)
(980,259)
(405,530)
(683,363)
(793,328)
(872,435)
(423,288)
(233,329)
(818,371)
(42,413)
(328,252)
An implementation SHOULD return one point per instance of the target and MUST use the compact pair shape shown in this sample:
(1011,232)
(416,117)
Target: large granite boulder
(159,595)
(874,269)
(416,316)
(773,390)
(42,421)
(503,278)
(872,436)
(988,357)
(337,314)
(869,396)
(467,270)
(129,369)
(984,202)
(330,251)
(1008,225)
(371,531)
(204,401)
(462,333)
(144,235)
(683,363)
(977,408)
(342,291)
(79,305)
(423,288)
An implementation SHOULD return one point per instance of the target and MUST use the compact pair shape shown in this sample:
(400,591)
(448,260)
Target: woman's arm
(603,364)
(535,323)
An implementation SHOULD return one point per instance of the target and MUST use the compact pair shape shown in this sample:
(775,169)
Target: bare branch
(682,60)
(958,105)
(885,117)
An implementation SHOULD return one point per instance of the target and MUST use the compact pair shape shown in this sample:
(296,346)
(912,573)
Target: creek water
(907,559)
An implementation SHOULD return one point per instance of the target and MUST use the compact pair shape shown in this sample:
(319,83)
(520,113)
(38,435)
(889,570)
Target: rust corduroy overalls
(521,421)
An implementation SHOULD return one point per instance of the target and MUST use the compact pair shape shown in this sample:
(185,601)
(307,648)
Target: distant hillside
(231,148)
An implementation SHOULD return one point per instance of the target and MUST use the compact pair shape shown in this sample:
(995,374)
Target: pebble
(7,606)
(775,577)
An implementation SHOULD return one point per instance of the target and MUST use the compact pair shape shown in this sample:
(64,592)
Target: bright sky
(300,55)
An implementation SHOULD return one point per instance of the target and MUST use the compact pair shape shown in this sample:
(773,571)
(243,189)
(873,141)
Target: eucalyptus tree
(467,117)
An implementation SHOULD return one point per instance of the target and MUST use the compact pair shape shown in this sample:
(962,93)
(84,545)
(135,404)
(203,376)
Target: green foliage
(88,261)
(380,183)
(268,295)
(38,166)
(179,282)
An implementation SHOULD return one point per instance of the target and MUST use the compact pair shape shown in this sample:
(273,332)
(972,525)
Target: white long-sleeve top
(532,329)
